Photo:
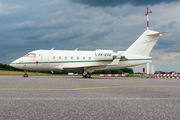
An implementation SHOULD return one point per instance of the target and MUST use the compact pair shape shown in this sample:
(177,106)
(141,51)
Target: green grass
(21,73)
(130,75)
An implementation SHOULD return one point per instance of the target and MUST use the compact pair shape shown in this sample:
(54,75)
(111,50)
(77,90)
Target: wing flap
(81,68)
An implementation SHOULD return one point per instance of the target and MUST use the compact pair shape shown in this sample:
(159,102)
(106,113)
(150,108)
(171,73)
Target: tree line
(6,67)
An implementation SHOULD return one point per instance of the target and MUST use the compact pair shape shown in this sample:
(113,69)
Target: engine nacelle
(104,54)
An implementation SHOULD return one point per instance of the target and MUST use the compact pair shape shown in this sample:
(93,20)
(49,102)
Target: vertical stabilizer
(144,44)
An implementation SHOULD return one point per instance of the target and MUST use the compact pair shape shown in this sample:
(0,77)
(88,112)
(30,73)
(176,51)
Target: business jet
(90,61)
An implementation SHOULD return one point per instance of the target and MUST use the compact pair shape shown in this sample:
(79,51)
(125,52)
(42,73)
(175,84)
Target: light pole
(147,14)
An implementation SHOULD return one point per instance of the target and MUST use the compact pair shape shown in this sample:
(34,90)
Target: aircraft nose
(12,64)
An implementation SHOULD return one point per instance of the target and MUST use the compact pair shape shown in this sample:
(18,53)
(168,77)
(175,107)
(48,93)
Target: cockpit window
(30,55)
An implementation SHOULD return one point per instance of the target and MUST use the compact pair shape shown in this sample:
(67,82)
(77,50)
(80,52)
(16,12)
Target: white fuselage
(58,60)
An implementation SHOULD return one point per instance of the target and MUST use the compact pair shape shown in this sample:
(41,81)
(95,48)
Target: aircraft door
(45,57)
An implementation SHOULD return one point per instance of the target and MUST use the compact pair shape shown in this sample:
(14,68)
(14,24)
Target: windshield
(30,55)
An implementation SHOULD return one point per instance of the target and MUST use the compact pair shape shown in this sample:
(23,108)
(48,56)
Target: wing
(93,68)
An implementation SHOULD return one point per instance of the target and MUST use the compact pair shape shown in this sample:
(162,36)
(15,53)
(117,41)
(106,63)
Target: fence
(162,75)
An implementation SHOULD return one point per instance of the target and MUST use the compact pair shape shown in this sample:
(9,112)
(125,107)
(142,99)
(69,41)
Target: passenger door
(45,57)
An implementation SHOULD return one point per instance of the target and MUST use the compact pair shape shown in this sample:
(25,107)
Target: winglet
(116,60)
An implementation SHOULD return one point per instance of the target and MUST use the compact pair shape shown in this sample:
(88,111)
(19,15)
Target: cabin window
(77,57)
(59,57)
(53,57)
(71,57)
(89,58)
(65,57)
(83,58)
(30,55)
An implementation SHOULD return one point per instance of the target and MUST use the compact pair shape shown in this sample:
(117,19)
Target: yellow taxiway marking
(89,88)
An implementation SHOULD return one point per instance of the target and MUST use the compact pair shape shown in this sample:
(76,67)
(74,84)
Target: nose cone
(13,64)
(17,63)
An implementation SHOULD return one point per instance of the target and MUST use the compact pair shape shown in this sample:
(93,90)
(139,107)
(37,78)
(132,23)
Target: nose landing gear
(25,74)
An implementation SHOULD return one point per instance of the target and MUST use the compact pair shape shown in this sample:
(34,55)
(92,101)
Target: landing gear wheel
(88,75)
(25,75)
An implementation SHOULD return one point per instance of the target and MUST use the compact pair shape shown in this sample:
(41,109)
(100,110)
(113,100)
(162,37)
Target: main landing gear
(25,74)
(86,75)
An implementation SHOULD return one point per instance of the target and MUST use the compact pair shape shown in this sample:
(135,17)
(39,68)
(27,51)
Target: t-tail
(145,43)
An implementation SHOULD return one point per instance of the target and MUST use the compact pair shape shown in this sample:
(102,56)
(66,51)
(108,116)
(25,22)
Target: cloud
(51,2)
(6,9)
(113,3)
(58,13)
(61,35)
(58,23)
(66,25)
(160,55)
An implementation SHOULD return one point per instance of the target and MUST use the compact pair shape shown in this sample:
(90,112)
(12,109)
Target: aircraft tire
(88,75)
(25,75)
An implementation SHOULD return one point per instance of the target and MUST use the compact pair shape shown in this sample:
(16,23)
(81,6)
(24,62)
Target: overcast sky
(27,25)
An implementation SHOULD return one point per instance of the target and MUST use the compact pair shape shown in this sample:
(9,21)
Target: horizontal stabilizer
(154,34)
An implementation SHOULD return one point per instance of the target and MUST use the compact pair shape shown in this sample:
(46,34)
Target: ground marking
(90,88)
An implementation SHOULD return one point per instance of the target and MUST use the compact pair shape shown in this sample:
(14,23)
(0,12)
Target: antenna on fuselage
(76,49)
(52,48)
